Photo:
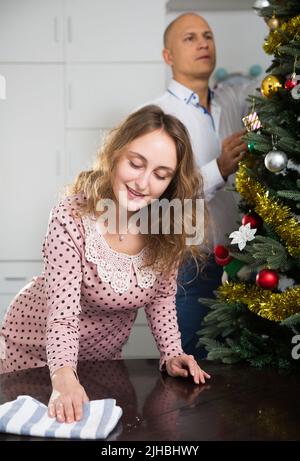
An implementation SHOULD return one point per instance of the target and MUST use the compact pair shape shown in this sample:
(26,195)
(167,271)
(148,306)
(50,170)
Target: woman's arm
(63,275)
(67,396)
(162,319)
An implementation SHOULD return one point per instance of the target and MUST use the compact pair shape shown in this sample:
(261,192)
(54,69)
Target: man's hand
(67,396)
(184,365)
(233,150)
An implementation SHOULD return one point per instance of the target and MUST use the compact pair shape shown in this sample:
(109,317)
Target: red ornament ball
(290,84)
(267,279)
(222,255)
(221,251)
(254,219)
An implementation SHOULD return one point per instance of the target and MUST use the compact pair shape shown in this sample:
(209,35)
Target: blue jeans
(190,311)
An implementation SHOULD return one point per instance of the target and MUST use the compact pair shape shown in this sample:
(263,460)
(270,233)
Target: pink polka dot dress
(85,302)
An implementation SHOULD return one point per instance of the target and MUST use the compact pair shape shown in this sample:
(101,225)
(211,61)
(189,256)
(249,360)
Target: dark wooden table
(239,402)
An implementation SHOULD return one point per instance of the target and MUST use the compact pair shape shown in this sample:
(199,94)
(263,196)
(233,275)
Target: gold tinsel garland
(272,212)
(289,30)
(265,303)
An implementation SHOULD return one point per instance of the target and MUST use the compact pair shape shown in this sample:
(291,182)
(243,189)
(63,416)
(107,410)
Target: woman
(94,280)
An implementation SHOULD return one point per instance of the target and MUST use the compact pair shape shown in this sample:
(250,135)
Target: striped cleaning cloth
(28,416)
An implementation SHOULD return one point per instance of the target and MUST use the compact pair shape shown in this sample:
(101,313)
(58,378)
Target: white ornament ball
(276,161)
(296,92)
(259,4)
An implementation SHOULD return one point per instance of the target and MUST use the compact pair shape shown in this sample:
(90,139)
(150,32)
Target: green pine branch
(262,252)
(293,322)
(270,251)
(281,9)
(231,333)
(291,194)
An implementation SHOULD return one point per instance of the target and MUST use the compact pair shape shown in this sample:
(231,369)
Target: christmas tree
(256,314)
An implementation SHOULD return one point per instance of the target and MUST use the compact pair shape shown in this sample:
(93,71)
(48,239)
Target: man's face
(191,48)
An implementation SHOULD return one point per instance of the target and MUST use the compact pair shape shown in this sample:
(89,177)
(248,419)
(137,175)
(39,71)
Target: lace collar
(113,267)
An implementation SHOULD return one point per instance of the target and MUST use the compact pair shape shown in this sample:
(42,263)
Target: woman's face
(144,170)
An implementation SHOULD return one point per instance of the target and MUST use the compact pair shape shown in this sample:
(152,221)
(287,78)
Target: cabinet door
(82,147)
(114,30)
(98,97)
(15,275)
(141,343)
(31,153)
(31,30)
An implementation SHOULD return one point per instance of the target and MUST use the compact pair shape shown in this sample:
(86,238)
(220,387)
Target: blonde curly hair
(166,251)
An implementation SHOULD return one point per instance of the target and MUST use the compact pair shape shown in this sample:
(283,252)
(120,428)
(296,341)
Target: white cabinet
(88,31)
(141,343)
(82,147)
(73,70)
(114,30)
(31,30)
(100,95)
(13,277)
(31,156)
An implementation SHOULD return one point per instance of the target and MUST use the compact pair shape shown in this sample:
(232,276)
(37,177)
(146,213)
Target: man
(213,119)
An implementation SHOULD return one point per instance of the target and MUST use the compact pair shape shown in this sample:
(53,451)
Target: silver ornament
(245,273)
(296,91)
(224,278)
(259,4)
(276,161)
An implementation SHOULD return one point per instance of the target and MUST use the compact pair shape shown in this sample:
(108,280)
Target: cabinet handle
(69,28)
(2,87)
(55,29)
(15,279)
(58,163)
(70,96)
(70,163)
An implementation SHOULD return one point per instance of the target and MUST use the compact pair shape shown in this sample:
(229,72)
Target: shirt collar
(186,94)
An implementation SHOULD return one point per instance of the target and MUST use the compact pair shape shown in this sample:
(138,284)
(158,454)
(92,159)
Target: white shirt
(207,131)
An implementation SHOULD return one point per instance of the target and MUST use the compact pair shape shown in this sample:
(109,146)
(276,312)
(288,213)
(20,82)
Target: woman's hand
(67,396)
(183,365)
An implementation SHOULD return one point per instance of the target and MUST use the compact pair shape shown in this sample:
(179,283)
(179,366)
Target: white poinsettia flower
(242,236)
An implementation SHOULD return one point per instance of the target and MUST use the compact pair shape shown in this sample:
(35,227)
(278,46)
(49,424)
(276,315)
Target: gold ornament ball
(273,23)
(270,85)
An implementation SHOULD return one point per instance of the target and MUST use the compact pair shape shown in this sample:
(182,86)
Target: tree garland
(272,306)
(273,213)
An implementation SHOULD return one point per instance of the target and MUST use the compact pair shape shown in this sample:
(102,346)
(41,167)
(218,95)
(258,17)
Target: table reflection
(157,411)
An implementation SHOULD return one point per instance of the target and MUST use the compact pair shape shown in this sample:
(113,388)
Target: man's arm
(216,172)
